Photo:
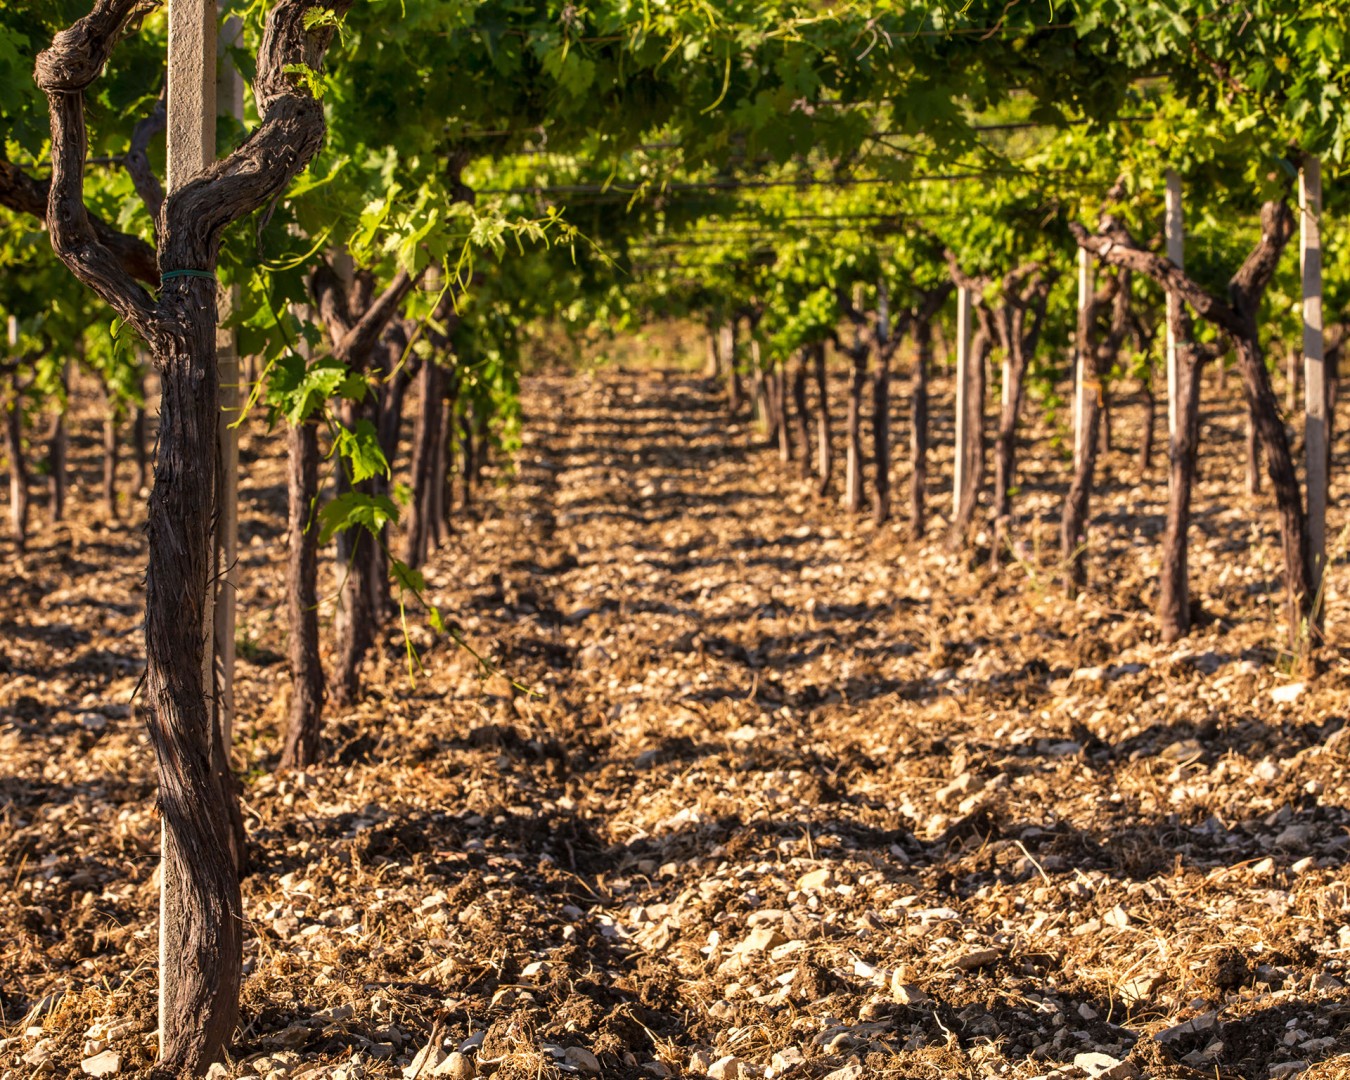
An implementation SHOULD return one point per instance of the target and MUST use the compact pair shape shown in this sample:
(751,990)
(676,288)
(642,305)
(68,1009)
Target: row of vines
(409,197)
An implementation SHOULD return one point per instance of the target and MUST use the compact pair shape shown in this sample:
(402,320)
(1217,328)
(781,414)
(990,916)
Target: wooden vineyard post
(1173,226)
(1314,373)
(1084,382)
(1005,381)
(230,95)
(1174,613)
(881,397)
(963,334)
(964,301)
(727,347)
(190,148)
(18,483)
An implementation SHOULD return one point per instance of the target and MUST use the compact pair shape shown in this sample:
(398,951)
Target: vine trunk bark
(1005,452)
(18,474)
(1150,422)
(304,730)
(56,466)
(140,455)
(1252,441)
(780,413)
(976,389)
(1018,325)
(1237,317)
(426,484)
(1174,603)
(800,414)
(881,435)
(1098,352)
(918,428)
(200,940)
(1264,409)
(356,615)
(824,438)
(111,452)
(200,915)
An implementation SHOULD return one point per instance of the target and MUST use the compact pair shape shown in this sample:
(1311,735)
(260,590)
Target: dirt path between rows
(794,798)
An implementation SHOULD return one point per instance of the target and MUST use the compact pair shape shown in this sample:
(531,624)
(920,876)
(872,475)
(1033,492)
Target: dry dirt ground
(798,797)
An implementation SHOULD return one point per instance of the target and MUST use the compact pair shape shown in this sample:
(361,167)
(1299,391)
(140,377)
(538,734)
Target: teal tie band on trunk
(186,274)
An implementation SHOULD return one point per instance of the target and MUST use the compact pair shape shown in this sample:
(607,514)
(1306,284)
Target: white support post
(15,480)
(191,147)
(1083,384)
(1314,366)
(191,144)
(230,97)
(191,139)
(1176,247)
(964,314)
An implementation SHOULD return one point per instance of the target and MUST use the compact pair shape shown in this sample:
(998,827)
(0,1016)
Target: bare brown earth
(796,792)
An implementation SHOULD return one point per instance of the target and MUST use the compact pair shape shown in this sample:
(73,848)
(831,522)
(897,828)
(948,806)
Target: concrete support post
(1316,441)
(1173,228)
(964,323)
(1084,382)
(191,147)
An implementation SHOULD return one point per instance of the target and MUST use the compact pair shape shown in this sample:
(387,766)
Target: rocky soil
(792,795)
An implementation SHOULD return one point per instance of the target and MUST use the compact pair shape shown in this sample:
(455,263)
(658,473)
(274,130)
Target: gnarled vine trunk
(801,416)
(712,367)
(1026,292)
(1252,441)
(201,909)
(735,387)
(426,484)
(1097,350)
(824,439)
(305,725)
(393,385)
(763,408)
(18,473)
(140,455)
(1005,452)
(468,456)
(881,434)
(111,453)
(1237,317)
(780,413)
(356,617)
(1174,602)
(357,320)
(56,467)
(445,468)
(200,941)
(1145,459)
(1105,435)
(1274,444)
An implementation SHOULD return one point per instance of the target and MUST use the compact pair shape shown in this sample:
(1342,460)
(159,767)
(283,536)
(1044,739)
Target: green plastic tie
(186,273)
